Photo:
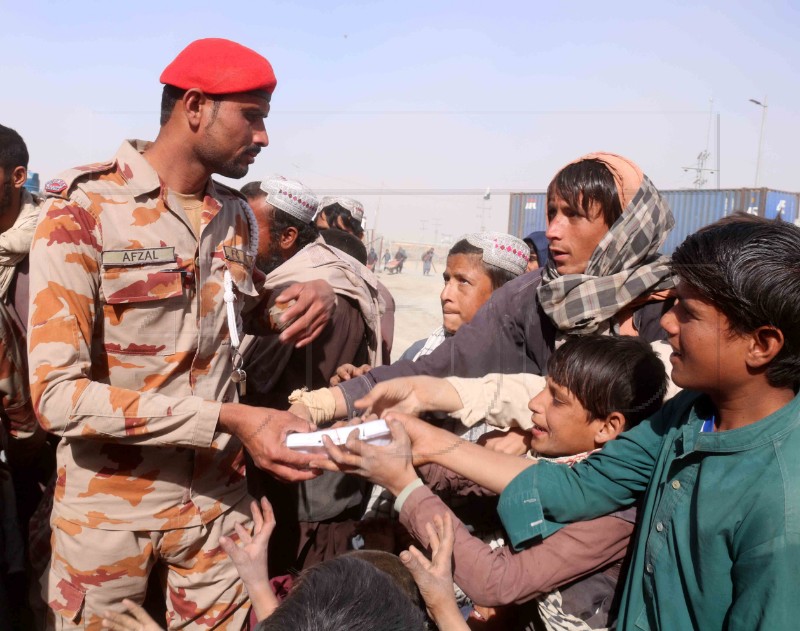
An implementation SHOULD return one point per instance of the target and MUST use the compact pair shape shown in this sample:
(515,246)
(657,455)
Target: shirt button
(197,263)
(660,527)
(649,568)
(676,484)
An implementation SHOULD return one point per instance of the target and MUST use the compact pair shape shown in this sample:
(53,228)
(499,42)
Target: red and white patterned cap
(291,197)
(355,207)
(501,250)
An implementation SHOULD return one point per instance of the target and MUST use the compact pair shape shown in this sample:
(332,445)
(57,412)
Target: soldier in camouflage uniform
(142,270)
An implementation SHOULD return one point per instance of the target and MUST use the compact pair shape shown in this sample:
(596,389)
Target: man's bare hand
(263,433)
(411,395)
(346,372)
(133,618)
(514,442)
(314,306)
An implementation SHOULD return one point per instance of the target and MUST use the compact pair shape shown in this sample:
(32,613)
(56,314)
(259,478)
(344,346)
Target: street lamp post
(763,106)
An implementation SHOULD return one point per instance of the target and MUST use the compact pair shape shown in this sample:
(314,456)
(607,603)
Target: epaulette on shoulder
(229,189)
(66,181)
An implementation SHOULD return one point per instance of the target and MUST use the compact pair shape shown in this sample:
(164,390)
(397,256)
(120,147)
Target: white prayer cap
(501,250)
(291,197)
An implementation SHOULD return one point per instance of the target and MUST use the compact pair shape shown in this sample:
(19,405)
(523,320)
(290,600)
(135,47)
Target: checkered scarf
(625,266)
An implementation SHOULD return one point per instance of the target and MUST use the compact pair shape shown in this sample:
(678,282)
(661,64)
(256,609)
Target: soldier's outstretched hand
(263,433)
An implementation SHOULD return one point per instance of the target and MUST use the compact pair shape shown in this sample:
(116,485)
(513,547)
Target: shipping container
(692,209)
(527,213)
(32,183)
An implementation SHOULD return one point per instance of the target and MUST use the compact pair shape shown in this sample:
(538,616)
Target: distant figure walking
(427,262)
(400,256)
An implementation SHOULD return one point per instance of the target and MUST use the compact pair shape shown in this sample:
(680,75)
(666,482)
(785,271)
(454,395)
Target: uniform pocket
(64,598)
(140,310)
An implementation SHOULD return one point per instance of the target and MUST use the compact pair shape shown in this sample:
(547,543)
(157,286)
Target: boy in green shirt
(718,468)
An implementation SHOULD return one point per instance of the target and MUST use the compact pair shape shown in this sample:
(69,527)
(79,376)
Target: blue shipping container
(527,213)
(32,183)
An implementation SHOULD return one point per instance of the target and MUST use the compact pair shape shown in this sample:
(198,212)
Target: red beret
(219,66)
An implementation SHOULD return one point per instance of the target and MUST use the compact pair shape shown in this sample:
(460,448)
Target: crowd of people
(597,436)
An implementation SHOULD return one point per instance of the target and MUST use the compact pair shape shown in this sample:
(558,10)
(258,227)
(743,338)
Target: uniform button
(197,263)
(649,568)
(676,484)
(660,527)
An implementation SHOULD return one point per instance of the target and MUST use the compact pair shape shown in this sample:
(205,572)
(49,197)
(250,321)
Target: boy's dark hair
(585,182)
(346,242)
(336,211)
(393,566)
(345,594)
(497,275)
(13,151)
(611,374)
(749,269)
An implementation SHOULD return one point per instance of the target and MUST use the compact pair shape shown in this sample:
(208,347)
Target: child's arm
(250,558)
(494,577)
(435,578)
(392,468)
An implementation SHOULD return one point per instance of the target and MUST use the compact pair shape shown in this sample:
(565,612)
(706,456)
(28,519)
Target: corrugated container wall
(526,213)
(692,209)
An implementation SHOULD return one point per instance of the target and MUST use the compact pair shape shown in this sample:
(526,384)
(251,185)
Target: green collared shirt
(718,545)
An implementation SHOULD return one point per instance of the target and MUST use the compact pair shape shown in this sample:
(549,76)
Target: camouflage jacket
(129,348)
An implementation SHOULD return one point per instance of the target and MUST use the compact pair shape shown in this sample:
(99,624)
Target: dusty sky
(446,99)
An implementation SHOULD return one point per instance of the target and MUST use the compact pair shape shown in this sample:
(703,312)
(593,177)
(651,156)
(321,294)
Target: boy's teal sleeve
(521,511)
(547,496)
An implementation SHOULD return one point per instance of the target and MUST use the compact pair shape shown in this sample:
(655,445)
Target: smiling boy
(718,468)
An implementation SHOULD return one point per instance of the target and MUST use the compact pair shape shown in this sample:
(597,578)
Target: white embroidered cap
(291,197)
(355,207)
(501,250)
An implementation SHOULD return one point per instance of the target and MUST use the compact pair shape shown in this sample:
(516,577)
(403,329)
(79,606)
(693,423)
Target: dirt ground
(418,310)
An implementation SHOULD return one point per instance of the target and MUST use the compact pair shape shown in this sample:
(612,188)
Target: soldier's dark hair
(583,183)
(497,275)
(170,96)
(13,151)
(611,374)
(346,242)
(252,190)
(345,594)
(749,268)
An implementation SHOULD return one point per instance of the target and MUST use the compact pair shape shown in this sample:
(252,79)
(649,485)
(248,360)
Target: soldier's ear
(194,103)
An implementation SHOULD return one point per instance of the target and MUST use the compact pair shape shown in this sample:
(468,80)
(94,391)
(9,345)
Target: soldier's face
(234,133)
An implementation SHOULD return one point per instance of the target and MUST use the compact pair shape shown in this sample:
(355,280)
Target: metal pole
(718,184)
(763,107)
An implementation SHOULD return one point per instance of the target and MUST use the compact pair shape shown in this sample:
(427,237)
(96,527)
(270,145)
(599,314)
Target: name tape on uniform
(238,256)
(142,256)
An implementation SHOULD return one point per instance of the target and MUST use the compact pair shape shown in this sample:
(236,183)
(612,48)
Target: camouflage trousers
(92,570)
